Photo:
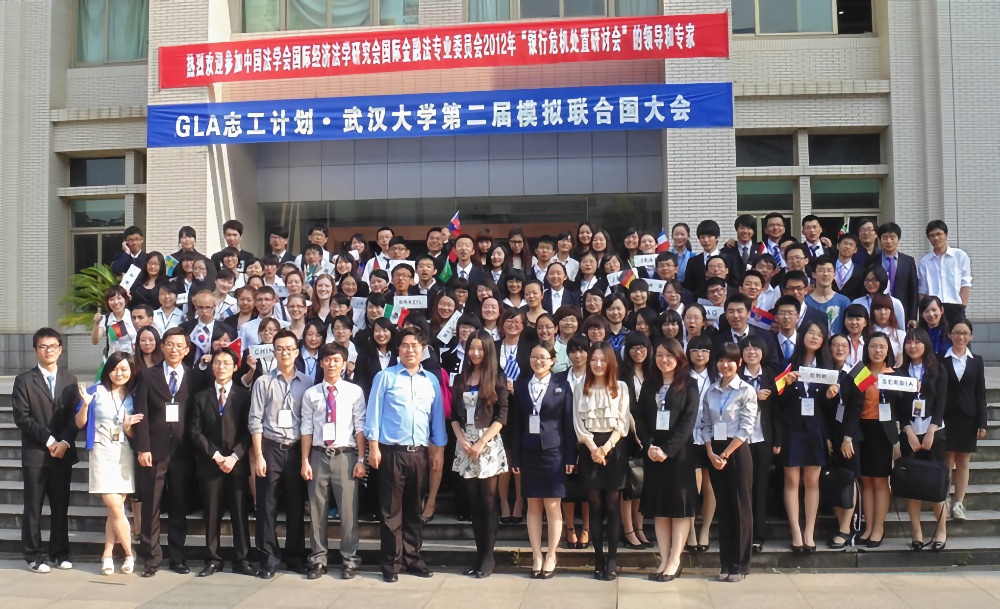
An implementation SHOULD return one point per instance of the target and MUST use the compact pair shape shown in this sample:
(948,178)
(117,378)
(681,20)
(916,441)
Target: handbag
(634,477)
(836,486)
(919,479)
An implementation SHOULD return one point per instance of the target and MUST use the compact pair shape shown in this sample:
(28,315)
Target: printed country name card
(281,291)
(644,260)
(656,285)
(410,302)
(182,298)
(818,375)
(262,352)
(358,303)
(713,312)
(394,263)
(128,279)
(448,331)
(897,383)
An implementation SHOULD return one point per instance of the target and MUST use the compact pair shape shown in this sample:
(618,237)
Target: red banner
(470,45)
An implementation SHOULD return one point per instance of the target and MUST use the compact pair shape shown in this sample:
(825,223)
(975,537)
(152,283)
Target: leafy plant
(86,294)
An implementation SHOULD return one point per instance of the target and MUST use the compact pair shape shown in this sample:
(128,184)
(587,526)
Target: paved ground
(84,587)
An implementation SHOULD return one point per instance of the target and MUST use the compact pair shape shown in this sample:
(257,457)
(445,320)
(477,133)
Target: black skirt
(698,456)
(936,452)
(875,449)
(607,477)
(669,487)
(962,430)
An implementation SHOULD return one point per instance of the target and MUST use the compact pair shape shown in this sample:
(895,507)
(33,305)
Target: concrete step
(10,470)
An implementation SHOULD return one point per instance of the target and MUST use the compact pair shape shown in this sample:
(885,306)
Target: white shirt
(556,299)
(228,387)
(782,339)
(773,247)
(351,411)
(507,352)
(50,379)
(586,284)
(958,362)
(815,249)
(163,322)
(424,290)
(897,306)
(383,359)
(179,370)
(843,270)
(738,336)
(571,265)
(856,354)
(539,272)
(537,388)
(944,276)
(467,270)
(767,298)
(707,255)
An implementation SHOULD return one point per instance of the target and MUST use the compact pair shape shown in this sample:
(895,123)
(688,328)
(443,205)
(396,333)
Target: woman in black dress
(921,424)
(875,437)
(637,363)
(601,420)
(964,411)
(543,451)
(664,420)
(841,409)
(146,289)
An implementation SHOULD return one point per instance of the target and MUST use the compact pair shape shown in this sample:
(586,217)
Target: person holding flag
(116,325)
(878,435)
(200,329)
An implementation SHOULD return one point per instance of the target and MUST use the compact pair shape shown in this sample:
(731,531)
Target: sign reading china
(610,108)
(469,45)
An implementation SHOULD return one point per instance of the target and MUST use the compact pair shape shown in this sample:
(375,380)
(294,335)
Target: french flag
(662,242)
(761,318)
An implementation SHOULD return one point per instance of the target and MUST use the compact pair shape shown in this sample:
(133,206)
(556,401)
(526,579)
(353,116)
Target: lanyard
(536,396)
(725,402)
(119,408)
(662,395)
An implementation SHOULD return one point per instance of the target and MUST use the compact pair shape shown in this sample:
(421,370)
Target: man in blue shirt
(405,413)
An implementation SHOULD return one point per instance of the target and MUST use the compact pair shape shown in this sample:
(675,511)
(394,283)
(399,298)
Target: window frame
(610,7)
(374,13)
(88,231)
(757,32)
(78,63)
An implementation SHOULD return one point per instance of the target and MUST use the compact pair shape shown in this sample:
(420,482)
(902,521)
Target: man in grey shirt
(275,408)
(333,421)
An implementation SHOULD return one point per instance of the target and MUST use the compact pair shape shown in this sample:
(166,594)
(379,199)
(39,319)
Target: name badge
(285,418)
(720,431)
(808,407)
(470,418)
(534,424)
(662,420)
(116,435)
(919,409)
(329,429)
(840,413)
(884,412)
(173,414)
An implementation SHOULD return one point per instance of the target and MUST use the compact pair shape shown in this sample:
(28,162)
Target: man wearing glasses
(405,413)
(796,284)
(275,414)
(44,400)
(200,329)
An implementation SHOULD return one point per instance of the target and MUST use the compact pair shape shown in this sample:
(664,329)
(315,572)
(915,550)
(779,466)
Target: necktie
(463,274)
(331,410)
(222,398)
(776,252)
(787,348)
(841,275)
(745,253)
(892,274)
(173,384)
(52,385)
(812,250)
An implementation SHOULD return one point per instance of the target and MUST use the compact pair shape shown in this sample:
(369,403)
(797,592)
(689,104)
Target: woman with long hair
(533,297)
(520,253)
(600,244)
(699,356)
(576,494)
(876,282)
(344,264)
(615,310)
(930,310)
(856,330)
(665,418)
(296,307)
(117,325)
(636,366)
(669,324)
(497,262)
(921,425)
(322,304)
(308,361)
(484,243)
(107,415)
(601,420)
(148,354)
(673,294)
(442,308)
(584,235)
(480,393)
(964,411)
(376,353)
(489,312)
(146,289)
(878,436)
(513,353)
(630,244)
(884,320)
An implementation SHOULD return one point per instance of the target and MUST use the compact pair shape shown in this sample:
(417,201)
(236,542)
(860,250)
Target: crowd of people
(647,379)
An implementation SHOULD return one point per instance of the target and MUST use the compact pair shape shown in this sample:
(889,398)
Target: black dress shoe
(242,568)
(210,569)
(422,573)
(390,578)
(179,568)
(265,573)
(348,573)
(470,571)
(149,572)
(316,571)
(427,519)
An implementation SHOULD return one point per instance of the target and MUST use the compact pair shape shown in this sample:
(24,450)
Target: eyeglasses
(56,347)
(701,351)
(285,350)
(173,346)
(410,347)
(540,358)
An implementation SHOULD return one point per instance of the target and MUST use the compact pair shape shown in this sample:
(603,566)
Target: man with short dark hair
(696,274)
(402,281)
(545,249)
(945,272)
(774,228)
(796,284)
(132,254)
(849,275)
(812,237)
(318,236)
(142,316)
(745,248)
(232,232)
(737,311)
(405,414)
(902,269)
(824,298)
(464,268)
(44,404)
(278,240)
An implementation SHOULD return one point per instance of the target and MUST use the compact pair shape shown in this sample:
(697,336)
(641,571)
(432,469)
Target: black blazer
(772,359)
(695,277)
(153,434)
(477,276)
(814,316)
(770,423)
(227,433)
(38,416)
(125,260)
(734,252)
(933,390)
(189,326)
(555,420)
(683,409)
(485,415)
(368,366)
(789,407)
(570,298)
(967,396)
(854,401)
(300,365)
(905,287)
(854,287)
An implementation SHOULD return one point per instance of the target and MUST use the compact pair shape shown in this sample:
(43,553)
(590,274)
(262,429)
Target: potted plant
(86,294)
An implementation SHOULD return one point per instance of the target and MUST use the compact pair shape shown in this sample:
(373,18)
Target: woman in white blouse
(601,420)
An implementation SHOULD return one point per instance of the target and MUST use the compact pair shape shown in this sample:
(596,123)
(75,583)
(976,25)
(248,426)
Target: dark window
(97,172)
(854,17)
(744,17)
(531,9)
(853,149)
(98,213)
(88,249)
(764,150)
(845,193)
(764,196)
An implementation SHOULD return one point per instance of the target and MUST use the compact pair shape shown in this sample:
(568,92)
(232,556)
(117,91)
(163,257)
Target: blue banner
(620,107)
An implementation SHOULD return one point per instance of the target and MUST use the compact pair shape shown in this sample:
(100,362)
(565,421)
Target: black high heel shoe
(937,546)
(631,546)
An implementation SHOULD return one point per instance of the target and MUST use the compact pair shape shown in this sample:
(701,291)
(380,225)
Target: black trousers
(733,496)
(762,455)
(50,481)
(402,482)
(954,313)
(167,477)
(283,476)
(219,493)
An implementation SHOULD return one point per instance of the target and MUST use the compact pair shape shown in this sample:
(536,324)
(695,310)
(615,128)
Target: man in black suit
(737,316)
(745,248)
(44,404)
(200,329)
(463,267)
(796,284)
(849,276)
(164,454)
(217,426)
(278,240)
(427,272)
(902,269)
(132,254)
(402,281)
(696,273)
(232,230)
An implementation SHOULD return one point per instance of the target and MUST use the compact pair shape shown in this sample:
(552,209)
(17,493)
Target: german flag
(781,381)
(627,277)
(863,377)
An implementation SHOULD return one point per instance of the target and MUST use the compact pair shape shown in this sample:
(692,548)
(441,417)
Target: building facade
(859,108)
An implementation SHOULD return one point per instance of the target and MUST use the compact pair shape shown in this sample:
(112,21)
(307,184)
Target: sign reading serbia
(620,107)
(469,45)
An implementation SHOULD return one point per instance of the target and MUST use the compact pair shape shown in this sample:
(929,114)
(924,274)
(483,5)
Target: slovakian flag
(781,381)
(627,278)
(396,315)
(118,330)
(237,348)
(662,242)
(455,225)
(761,318)
(863,377)
(171,263)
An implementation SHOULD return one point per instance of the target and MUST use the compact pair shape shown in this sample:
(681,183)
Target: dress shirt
(857,352)
(571,265)
(163,322)
(734,404)
(745,252)
(783,340)
(707,255)
(586,284)
(310,362)
(384,359)
(767,298)
(738,336)
(897,306)
(425,289)
(350,408)
(507,352)
(944,276)
(536,389)
(539,272)
(463,272)
(843,272)
(703,383)
(271,393)
(406,409)
(775,250)
(755,381)
(179,370)
(227,388)
(557,298)
(959,362)
(50,380)
(815,249)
